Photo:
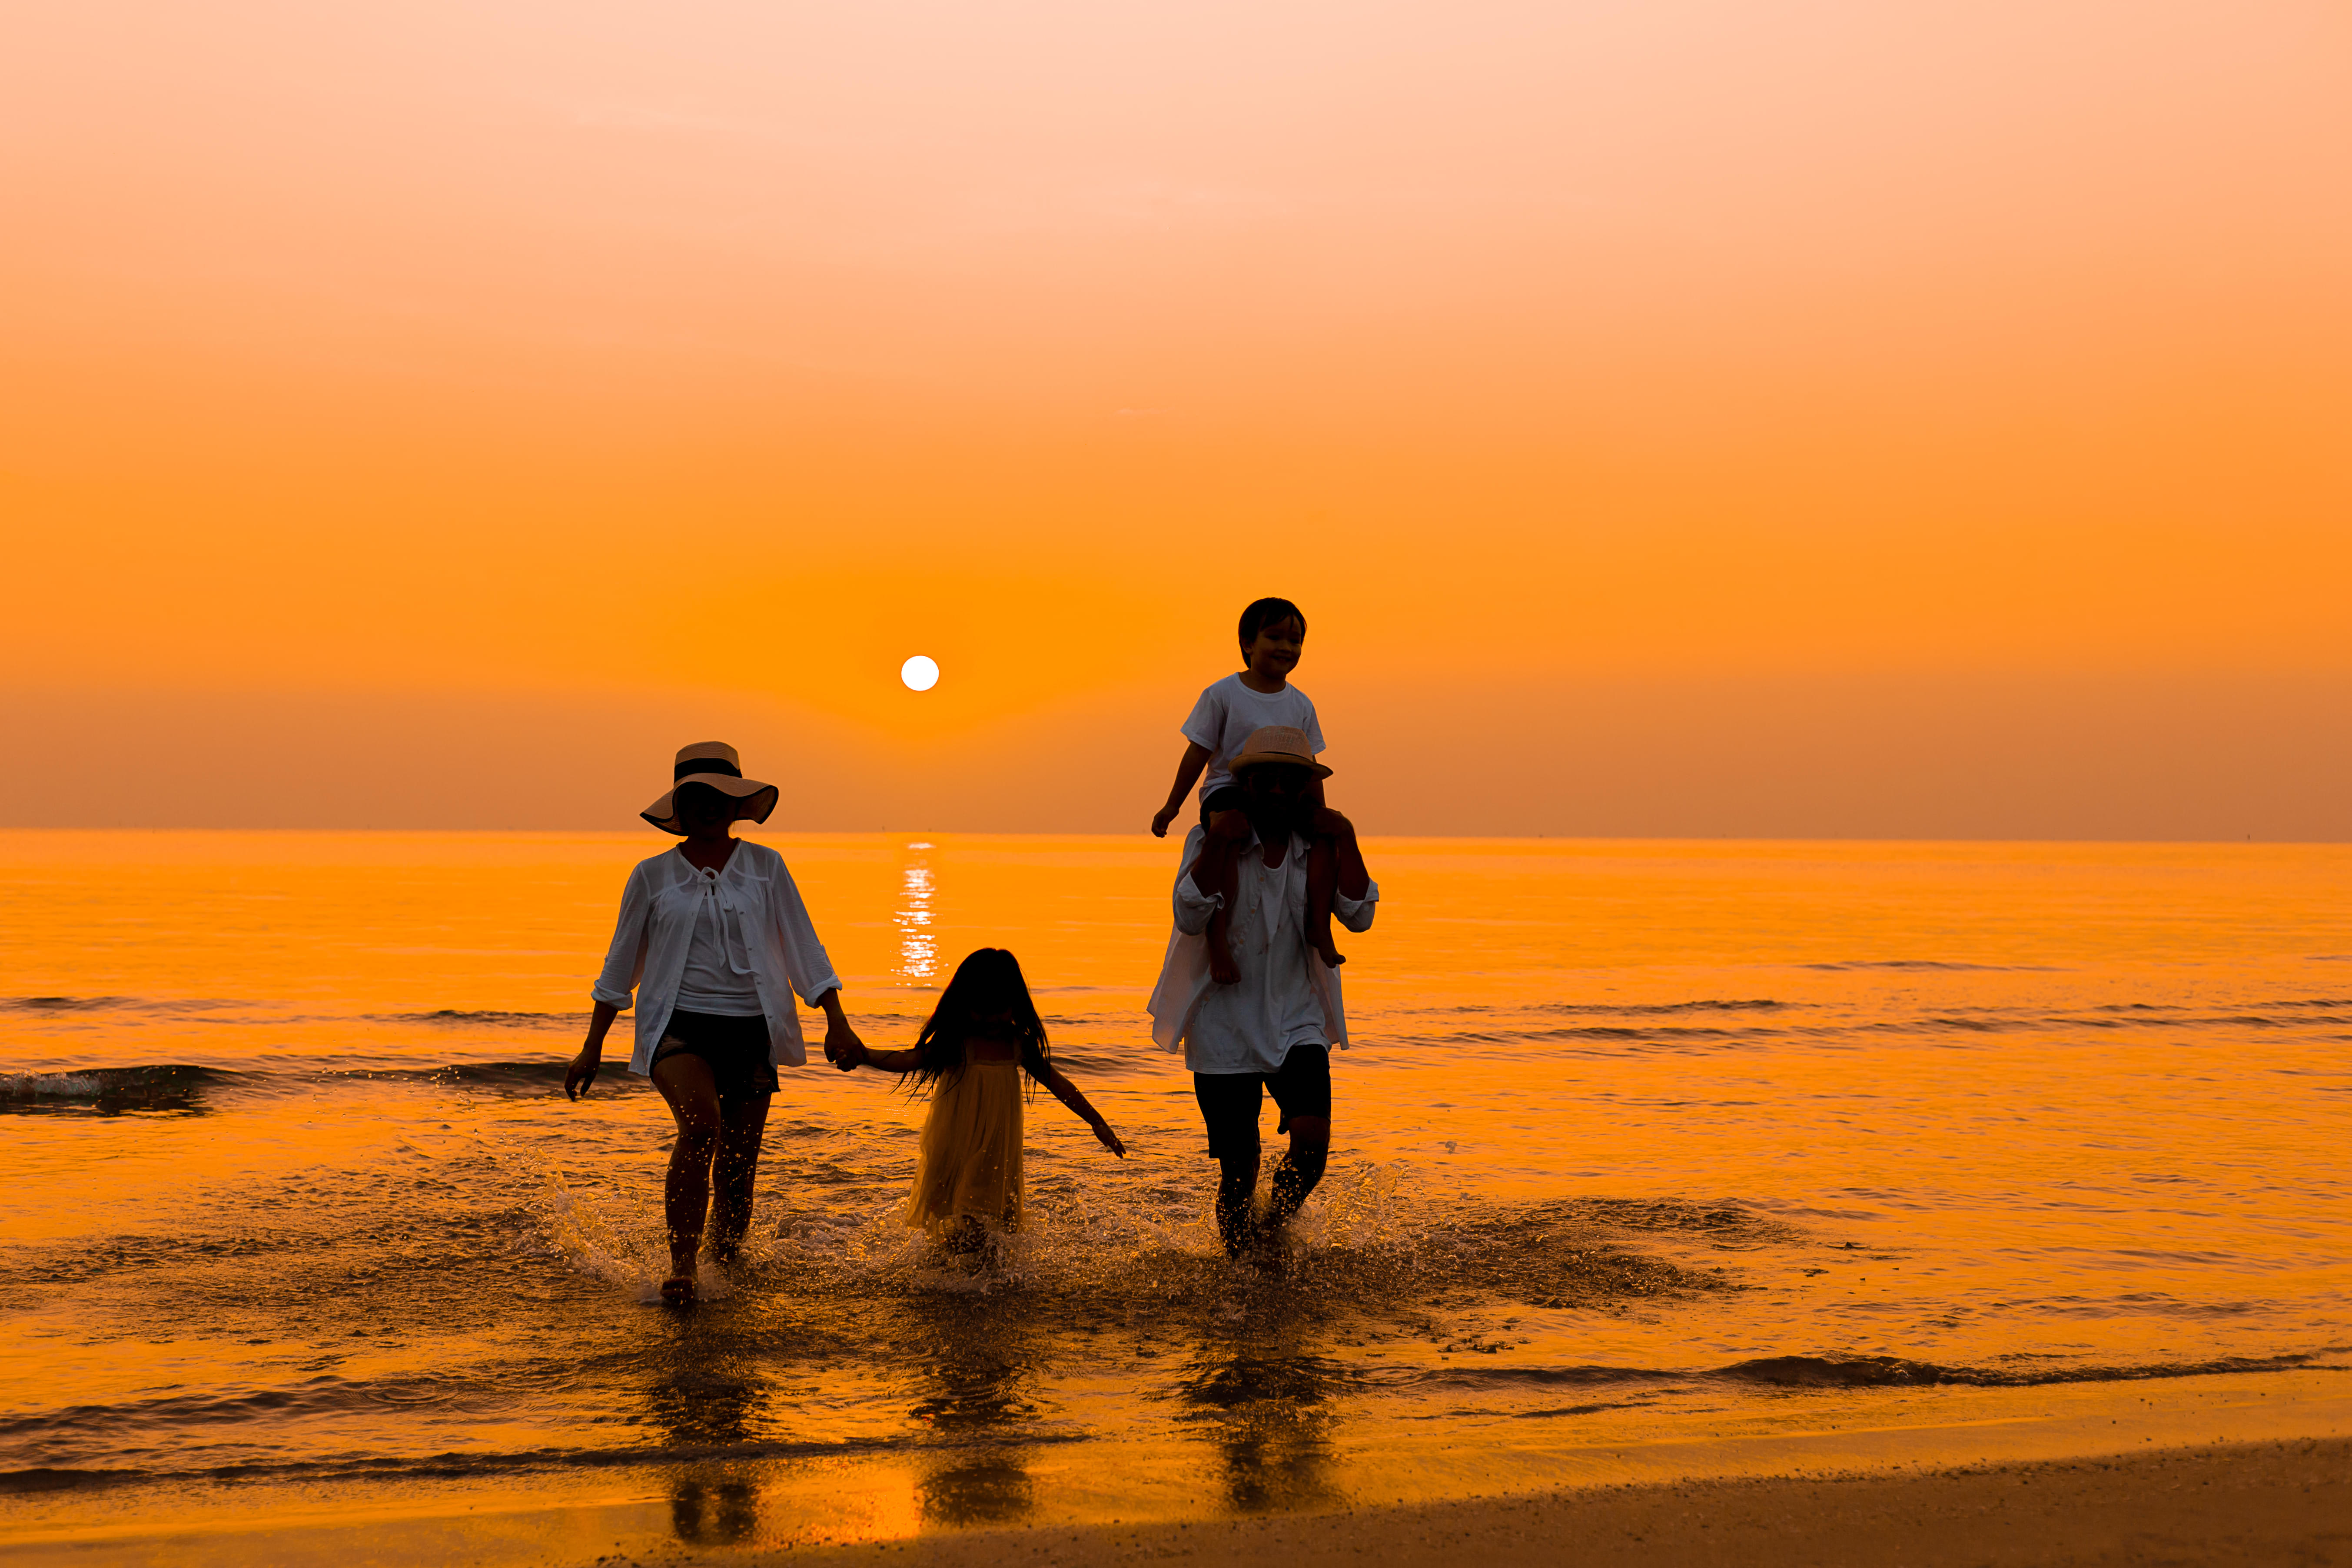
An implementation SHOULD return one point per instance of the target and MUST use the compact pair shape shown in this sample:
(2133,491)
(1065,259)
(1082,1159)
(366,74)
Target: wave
(1607,1032)
(492,1016)
(122,1003)
(538,1075)
(1892,1372)
(1934,963)
(453,1465)
(1607,1009)
(1827,1372)
(165,1086)
(64,1004)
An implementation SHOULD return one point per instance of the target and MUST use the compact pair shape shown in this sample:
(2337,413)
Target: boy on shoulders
(1272,632)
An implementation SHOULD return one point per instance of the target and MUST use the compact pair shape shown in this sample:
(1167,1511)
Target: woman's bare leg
(743,1123)
(685,1081)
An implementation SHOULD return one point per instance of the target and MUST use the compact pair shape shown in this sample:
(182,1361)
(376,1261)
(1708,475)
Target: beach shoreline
(2231,1503)
(2286,1501)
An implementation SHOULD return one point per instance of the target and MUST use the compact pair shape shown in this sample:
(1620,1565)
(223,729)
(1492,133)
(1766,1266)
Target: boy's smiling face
(1273,654)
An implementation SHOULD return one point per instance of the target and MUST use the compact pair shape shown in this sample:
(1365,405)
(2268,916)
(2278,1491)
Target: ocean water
(1642,1147)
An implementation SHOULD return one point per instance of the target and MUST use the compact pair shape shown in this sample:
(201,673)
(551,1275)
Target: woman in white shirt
(714,940)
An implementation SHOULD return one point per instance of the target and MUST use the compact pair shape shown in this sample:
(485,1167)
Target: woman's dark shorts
(1230,1100)
(735,1048)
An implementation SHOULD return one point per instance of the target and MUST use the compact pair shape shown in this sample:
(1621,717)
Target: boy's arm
(1067,1093)
(1188,773)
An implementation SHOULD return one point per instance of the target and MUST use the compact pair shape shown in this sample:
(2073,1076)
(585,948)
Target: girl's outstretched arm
(865,1056)
(1067,1093)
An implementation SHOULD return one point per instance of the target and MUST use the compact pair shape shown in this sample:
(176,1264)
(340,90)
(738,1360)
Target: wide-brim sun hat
(1282,745)
(712,762)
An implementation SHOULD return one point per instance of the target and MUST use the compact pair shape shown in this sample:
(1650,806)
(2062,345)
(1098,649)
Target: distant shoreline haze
(2204,760)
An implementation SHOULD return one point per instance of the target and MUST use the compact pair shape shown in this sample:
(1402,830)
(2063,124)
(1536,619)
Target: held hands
(582,1074)
(842,1048)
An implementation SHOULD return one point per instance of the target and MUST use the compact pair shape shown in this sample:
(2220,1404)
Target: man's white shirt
(1286,997)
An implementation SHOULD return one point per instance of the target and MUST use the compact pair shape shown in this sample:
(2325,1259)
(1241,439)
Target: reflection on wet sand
(710,1513)
(980,1358)
(1266,1407)
(704,1404)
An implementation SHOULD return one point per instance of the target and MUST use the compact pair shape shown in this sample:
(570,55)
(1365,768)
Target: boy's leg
(1322,880)
(1221,854)
(686,1082)
(1333,858)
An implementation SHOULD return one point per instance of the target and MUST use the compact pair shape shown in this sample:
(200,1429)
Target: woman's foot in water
(683,1288)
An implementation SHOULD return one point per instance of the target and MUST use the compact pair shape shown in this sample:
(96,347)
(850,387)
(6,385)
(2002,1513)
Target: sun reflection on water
(919,949)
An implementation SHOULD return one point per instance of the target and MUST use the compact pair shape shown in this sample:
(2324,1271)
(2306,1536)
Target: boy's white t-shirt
(1229,713)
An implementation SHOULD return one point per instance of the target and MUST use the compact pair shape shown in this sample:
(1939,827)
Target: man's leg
(1229,1106)
(1297,1171)
(1236,1185)
(1303,1089)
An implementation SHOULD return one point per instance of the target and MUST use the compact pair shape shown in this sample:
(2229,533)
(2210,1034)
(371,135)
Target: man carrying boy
(1274,1026)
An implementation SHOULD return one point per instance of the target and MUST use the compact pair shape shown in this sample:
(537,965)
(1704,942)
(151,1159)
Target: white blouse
(718,975)
(664,899)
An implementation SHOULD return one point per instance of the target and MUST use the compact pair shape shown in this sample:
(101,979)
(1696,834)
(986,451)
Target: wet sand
(2266,1503)
(2255,1503)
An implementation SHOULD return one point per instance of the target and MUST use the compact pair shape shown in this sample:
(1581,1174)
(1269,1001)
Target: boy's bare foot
(1221,967)
(678,1291)
(1332,956)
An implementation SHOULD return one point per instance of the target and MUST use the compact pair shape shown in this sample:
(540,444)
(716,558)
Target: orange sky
(1702,417)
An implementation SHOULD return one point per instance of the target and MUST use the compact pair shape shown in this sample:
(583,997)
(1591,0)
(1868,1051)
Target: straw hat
(711,762)
(1277,743)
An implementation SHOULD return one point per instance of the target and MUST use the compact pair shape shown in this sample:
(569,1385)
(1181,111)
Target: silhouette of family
(714,943)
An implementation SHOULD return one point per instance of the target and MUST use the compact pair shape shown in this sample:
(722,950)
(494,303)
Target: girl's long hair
(986,984)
